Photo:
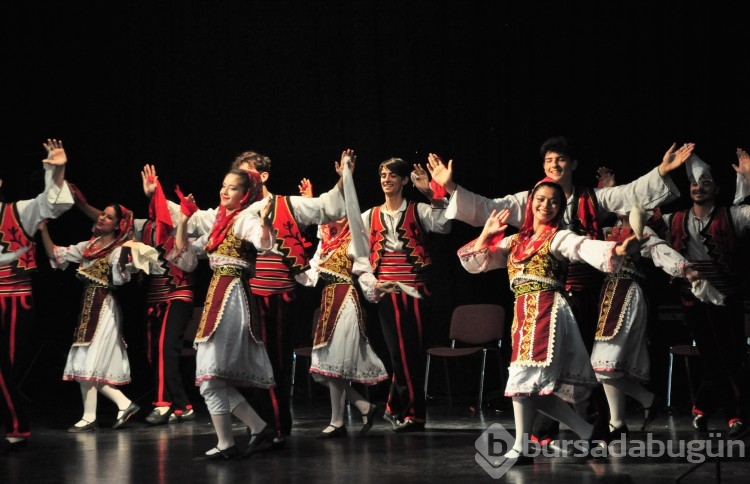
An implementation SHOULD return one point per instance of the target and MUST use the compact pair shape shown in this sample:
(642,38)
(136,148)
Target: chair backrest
(477,323)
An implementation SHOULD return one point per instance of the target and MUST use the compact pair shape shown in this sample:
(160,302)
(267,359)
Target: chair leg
(669,381)
(426,376)
(294,367)
(448,380)
(481,379)
(690,379)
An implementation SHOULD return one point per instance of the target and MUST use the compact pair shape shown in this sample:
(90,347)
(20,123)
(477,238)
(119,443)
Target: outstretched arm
(82,204)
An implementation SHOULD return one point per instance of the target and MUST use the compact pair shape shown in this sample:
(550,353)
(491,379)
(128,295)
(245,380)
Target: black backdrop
(186,85)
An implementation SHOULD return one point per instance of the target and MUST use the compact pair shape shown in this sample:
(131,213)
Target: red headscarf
(125,233)
(333,234)
(224,221)
(528,242)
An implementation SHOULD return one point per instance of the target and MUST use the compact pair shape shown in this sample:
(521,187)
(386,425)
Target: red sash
(272,276)
(289,239)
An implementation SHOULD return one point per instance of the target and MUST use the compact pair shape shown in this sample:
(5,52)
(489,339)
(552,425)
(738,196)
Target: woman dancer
(230,353)
(549,363)
(98,360)
(341,352)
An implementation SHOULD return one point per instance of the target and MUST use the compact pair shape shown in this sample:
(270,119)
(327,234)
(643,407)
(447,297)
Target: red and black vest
(410,232)
(722,245)
(15,276)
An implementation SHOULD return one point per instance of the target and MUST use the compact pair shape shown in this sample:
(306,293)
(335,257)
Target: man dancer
(709,235)
(19,222)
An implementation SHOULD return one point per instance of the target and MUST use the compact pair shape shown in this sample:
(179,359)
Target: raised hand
(743,164)
(496,223)
(440,172)
(606,177)
(305,188)
(55,153)
(148,175)
(421,179)
(675,157)
(347,157)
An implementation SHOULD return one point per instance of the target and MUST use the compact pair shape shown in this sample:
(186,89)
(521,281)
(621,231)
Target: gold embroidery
(97,273)
(337,268)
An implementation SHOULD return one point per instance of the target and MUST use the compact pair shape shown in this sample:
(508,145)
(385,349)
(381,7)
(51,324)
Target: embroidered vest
(289,239)
(410,232)
(224,279)
(536,284)
(336,271)
(15,276)
(722,246)
(97,282)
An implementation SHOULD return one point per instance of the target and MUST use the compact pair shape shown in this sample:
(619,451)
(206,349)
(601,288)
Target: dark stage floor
(444,452)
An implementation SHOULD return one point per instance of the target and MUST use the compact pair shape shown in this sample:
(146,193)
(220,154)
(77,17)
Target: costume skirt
(626,353)
(231,353)
(347,354)
(105,359)
(567,373)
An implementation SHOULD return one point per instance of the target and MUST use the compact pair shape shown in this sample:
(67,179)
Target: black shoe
(184,416)
(390,418)
(409,426)
(158,418)
(369,418)
(8,446)
(700,422)
(132,409)
(651,412)
(336,433)
(89,427)
(736,428)
(230,453)
(618,432)
(263,440)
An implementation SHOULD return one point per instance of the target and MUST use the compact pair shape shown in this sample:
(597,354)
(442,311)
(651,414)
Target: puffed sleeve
(578,248)
(434,219)
(67,255)
(328,207)
(248,227)
(485,259)
(475,209)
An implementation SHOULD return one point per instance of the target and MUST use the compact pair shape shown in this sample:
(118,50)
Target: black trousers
(167,322)
(16,330)
(402,324)
(277,332)
(719,333)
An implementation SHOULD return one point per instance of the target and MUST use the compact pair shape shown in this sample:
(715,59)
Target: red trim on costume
(12,238)
(289,239)
(410,233)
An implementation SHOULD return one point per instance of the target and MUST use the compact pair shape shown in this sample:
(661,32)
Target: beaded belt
(232,271)
(534,286)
